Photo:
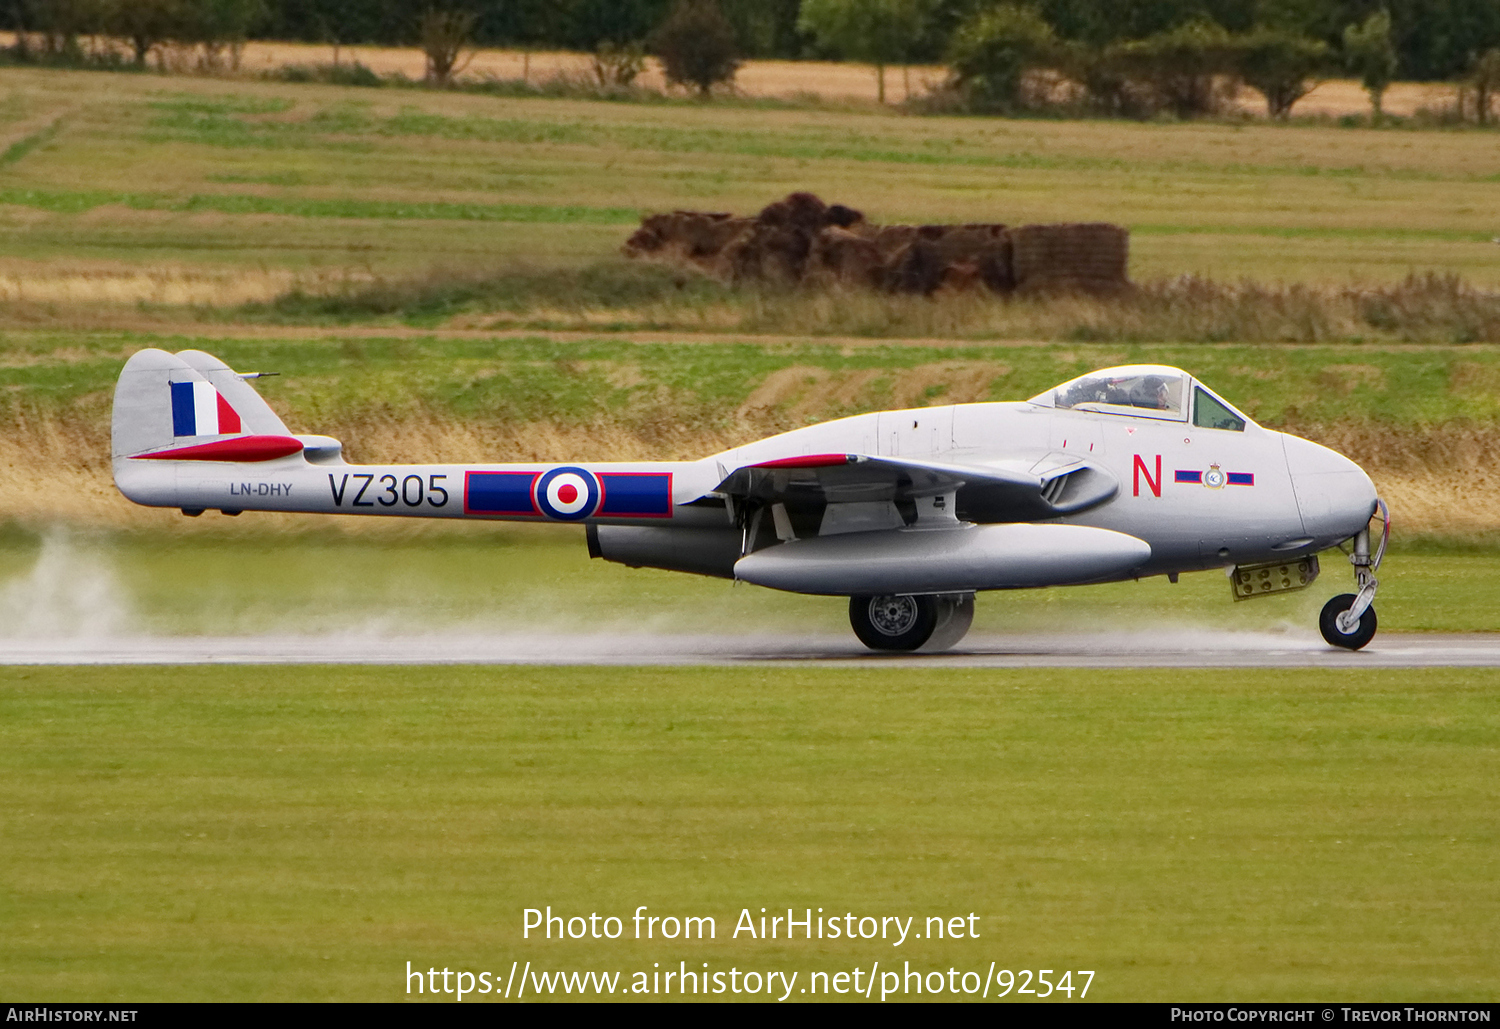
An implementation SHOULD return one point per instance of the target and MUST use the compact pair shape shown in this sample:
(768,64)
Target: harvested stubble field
(150,171)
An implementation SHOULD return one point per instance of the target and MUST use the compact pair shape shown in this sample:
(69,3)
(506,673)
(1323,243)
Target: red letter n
(1141,469)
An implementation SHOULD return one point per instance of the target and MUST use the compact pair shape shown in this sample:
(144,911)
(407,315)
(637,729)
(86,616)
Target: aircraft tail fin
(192,406)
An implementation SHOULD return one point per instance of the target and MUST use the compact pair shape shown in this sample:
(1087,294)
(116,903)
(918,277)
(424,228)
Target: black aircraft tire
(893,623)
(955,615)
(1328,623)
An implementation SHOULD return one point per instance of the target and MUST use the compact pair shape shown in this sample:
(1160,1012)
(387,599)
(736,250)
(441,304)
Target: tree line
(1129,57)
(1433,39)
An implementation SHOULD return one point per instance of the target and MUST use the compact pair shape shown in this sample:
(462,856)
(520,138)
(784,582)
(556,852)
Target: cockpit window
(1209,413)
(1145,390)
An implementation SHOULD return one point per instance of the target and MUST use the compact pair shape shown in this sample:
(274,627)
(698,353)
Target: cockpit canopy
(1145,391)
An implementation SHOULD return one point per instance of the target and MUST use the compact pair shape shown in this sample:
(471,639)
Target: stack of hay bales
(779,244)
(802,239)
(1090,257)
(692,236)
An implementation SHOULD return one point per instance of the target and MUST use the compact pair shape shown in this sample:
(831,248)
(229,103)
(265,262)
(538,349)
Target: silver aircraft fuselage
(1122,473)
(1199,497)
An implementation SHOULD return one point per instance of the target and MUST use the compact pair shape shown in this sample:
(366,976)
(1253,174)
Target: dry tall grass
(1442,482)
(1422,308)
(113,283)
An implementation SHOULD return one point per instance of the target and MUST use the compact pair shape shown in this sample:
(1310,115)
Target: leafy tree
(1371,55)
(1281,66)
(60,23)
(1319,19)
(444,36)
(617,65)
(217,24)
(876,32)
(146,23)
(992,52)
(1186,67)
(619,22)
(1485,78)
(340,22)
(764,28)
(696,45)
(1101,22)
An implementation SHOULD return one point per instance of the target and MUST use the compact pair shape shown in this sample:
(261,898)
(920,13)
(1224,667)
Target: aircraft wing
(1000,492)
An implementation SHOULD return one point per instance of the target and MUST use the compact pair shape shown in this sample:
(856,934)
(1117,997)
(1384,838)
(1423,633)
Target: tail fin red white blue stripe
(185,402)
(200,410)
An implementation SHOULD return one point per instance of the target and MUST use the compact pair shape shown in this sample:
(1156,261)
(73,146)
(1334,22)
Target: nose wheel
(1342,631)
(1348,620)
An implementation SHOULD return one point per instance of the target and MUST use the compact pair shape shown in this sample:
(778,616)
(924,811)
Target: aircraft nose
(1334,495)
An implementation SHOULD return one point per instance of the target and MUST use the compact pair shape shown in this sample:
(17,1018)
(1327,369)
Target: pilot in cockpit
(1141,388)
(1153,393)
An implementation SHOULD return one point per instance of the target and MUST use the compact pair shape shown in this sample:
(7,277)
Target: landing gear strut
(905,622)
(1348,620)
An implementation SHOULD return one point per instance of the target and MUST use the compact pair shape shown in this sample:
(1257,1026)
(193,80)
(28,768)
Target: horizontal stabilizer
(239,448)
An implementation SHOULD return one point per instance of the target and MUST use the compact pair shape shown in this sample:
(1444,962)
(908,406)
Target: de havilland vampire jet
(1119,474)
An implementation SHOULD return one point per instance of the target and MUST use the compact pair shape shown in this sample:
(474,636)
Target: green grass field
(231,833)
(713,386)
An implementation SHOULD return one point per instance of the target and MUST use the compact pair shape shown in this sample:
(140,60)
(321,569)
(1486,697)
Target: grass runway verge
(240,834)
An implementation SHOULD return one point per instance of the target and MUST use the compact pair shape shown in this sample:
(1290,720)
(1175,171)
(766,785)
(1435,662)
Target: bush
(696,46)
(617,65)
(1371,55)
(349,73)
(1190,70)
(1485,78)
(1109,91)
(992,53)
(875,32)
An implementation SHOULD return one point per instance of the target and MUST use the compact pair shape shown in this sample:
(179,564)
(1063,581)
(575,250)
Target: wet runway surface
(1175,648)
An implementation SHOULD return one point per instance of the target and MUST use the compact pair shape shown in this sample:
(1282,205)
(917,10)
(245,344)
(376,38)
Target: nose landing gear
(1348,620)
(1335,617)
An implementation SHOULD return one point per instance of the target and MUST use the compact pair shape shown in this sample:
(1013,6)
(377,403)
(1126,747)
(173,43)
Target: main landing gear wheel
(1358,635)
(905,623)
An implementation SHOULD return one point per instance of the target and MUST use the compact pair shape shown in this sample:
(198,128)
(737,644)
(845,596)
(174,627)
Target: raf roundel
(567,494)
